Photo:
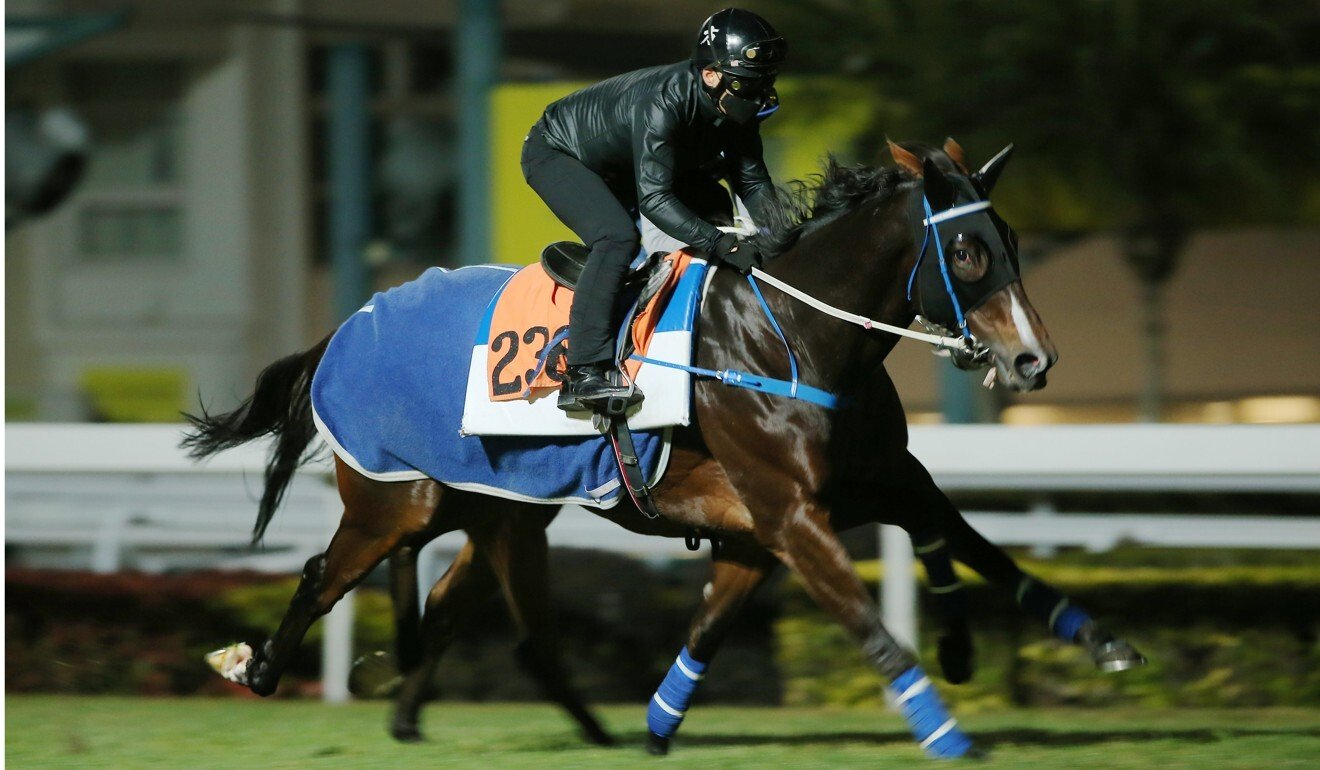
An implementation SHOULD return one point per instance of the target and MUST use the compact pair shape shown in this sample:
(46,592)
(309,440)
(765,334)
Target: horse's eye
(969,258)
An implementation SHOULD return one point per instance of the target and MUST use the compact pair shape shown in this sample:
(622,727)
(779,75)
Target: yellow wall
(522,223)
(807,127)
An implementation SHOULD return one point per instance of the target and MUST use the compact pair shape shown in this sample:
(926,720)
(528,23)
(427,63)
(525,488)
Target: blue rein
(784,388)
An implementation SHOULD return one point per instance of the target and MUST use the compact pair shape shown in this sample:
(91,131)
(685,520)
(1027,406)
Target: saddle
(564,261)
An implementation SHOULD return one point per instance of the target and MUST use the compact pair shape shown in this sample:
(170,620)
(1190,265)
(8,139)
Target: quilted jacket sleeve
(654,127)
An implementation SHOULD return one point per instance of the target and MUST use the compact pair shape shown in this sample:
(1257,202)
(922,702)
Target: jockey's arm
(653,158)
(749,177)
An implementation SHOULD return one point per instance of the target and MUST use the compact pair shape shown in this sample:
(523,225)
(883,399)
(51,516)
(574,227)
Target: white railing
(127,490)
(1038,462)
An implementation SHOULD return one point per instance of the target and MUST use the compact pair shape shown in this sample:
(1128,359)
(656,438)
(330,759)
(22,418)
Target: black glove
(740,255)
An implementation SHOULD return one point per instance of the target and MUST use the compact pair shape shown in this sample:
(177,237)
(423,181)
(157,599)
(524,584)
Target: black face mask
(743,99)
(994,235)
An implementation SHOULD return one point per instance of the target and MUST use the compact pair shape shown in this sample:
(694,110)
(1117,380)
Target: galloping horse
(773,477)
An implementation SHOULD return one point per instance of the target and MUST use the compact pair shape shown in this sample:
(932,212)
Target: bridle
(964,346)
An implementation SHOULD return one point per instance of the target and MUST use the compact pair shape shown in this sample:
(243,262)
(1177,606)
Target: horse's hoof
(231,662)
(375,675)
(406,733)
(657,746)
(1117,655)
(956,656)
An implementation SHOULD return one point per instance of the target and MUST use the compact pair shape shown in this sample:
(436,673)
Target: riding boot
(589,386)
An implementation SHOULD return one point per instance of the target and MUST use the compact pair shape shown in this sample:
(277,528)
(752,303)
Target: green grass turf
(200,733)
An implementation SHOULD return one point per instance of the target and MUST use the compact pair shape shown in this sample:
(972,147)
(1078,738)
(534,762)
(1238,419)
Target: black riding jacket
(643,131)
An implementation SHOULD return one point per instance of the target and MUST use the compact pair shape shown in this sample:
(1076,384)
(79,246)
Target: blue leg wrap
(1069,622)
(936,731)
(1063,617)
(670,702)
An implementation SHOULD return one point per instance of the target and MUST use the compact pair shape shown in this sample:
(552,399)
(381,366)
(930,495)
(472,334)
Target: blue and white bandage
(936,731)
(1067,621)
(1063,617)
(670,702)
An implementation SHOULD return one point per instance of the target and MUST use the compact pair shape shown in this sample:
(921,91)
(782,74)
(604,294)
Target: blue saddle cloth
(388,398)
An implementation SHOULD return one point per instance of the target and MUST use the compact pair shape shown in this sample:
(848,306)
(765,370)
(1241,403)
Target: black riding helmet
(748,51)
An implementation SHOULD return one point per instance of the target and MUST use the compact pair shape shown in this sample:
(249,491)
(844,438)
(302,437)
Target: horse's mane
(802,206)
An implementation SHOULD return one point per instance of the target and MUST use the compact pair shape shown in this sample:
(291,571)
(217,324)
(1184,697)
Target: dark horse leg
(407,613)
(739,570)
(378,516)
(519,556)
(795,528)
(1065,619)
(467,583)
(506,550)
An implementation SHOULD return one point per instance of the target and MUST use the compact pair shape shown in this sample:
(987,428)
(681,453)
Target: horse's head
(966,278)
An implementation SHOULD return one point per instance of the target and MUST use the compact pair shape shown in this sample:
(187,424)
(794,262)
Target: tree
(1142,118)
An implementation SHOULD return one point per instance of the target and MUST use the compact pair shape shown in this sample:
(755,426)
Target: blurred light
(925,418)
(1279,409)
(1218,412)
(1033,414)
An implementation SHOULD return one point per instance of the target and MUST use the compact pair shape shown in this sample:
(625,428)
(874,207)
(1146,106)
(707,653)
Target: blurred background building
(199,243)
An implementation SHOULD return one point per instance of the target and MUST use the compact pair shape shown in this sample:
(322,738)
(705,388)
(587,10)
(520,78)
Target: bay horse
(773,476)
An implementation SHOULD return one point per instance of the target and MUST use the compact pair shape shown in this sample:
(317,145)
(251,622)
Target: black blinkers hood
(945,192)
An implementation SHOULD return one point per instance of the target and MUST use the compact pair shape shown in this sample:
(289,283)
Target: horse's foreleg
(467,583)
(738,571)
(804,541)
(518,554)
(1067,620)
(954,645)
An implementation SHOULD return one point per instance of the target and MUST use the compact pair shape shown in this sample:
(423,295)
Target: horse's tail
(280,405)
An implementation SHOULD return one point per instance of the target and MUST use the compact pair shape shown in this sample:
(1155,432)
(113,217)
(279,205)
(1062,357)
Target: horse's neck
(858,264)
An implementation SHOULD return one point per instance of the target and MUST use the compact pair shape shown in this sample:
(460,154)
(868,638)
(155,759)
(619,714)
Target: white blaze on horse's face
(1018,339)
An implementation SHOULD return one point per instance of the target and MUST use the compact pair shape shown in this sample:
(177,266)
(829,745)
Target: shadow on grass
(986,738)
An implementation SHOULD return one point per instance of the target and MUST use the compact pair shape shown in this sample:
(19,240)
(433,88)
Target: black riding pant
(582,200)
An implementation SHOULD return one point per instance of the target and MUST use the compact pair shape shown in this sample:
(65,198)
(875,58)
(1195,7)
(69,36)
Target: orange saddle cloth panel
(531,311)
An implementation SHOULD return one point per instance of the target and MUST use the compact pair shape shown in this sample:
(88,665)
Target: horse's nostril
(1027,365)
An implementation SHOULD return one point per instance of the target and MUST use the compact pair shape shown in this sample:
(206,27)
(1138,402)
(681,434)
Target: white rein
(947,342)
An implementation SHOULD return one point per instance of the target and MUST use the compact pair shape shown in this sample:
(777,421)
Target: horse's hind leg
(1065,619)
(377,674)
(467,583)
(518,551)
(407,613)
(739,570)
(377,518)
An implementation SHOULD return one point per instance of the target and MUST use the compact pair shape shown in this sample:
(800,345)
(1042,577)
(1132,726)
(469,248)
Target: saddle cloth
(388,399)
(513,373)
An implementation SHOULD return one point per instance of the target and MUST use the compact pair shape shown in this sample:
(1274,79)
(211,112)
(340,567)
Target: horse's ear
(989,173)
(939,190)
(956,154)
(905,160)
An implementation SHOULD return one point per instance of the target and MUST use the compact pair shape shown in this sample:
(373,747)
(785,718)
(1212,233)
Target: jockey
(642,139)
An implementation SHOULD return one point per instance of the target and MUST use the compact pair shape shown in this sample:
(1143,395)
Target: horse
(774,477)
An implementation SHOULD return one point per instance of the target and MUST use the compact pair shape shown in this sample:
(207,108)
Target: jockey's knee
(617,241)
